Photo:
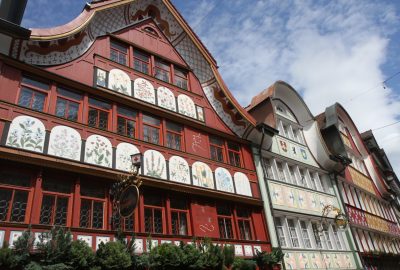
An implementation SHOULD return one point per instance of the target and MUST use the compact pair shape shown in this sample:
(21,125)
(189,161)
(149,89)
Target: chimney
(12,10)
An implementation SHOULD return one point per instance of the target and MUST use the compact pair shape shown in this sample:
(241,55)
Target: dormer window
(141,61)
(119,53)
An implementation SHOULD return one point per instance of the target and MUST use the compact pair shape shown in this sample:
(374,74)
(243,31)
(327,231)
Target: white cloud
(330,51)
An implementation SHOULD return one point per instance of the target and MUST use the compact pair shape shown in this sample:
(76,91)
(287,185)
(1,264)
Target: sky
(330,51)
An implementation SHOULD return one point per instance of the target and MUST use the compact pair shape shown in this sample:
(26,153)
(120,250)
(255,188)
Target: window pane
(293,234)
(70,94)
(99,104)
(173,141)
(151,120)
(244,228)
(91,190)
(316,235)
(5,197)
(126,112)
(216,153)
(56,185)
(36,83)
(225,227)
(60,217)
(151,134)
(103,120)
(38,101)
(148,220)
(216,141)
(73,110)
(178,203)
(85,213)
(224,210)
(61,107)
(154,200)
(46,211)
(174,127)
(305,235)
(25,97)
(97,221)
(19,206)
(92,117)
(158,221)
(119,46)
(280,232)
(15,178)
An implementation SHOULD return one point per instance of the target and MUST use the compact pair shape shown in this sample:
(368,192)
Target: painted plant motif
(144,90)
(242,184)
(101,78)
(27,133)
(224,180)
(166,99)
(154,164)
(179,170)
(98,151)
(202,175)
(186,106)
(123,156)
(119,81)
(65,142)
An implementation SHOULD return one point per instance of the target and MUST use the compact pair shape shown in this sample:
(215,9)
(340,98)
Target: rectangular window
(280,231)
(33,94)
(180,78)
(302,181)
(162,70)
(119,53)
(297,135)
(305,235)
(14,193)
(151,129)
(174,136)
(68,104)
(125,224)
(126,122)
(281,172)
(99,112)
(234,154)
(179,216)
(337,236)
(141,61)
(244,224)
(268,168)
(327,237)
(225,221)
(292,174)
(317,236)
(153,214)
(293,233)
(217,149)
(92,206)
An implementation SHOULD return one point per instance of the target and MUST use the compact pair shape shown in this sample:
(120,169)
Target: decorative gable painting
(154,164)
(223,180)
(26,133)
(123,156)
(166,99)
(242,184)
(202,175)
(65,142)
(98,151)
(144,90)
(119,81)
(186,106)
(179,170)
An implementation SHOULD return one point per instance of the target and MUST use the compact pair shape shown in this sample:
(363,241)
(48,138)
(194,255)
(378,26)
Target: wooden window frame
(127,118)
(93,200)
(248,219)
(162,69)
(174,133)
(34,89)
(57,195)
(227,217)
(171,210)
(99,109)
(134,58)
(221,147)
(69,100)
(159,128)
(119,52)
(185,78)
(235,152)
(154,207)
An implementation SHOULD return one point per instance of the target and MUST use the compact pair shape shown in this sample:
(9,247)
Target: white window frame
(306,230)
(295,230)
(285,236)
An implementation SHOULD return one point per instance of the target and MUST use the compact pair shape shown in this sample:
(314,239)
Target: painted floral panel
(86,238)
(289,260)
(242,184)
(303,261)
(200,113)
(179,170)
(123,156)
(223,180)
(101,77)
(154,164)
(102,239)
(65,142)
(186,106)
(202,175)
(119,81)
(27,133)
(144,90)
(166,99)
(98,151)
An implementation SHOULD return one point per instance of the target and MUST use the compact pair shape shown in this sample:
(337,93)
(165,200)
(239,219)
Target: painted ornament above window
(166,99)
(26,133)
(98,151)
(154,164)
(65,142)
(186,106)
(119,81)
(179,170)
(123,156)
(242,184)
(223,180)
(202,175)
(144,90)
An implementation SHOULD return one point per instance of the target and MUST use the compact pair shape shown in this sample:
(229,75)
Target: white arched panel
(179,170)
(202,175)
(144,90)
(223,180)
(123,156)
(65,142)
(26,133)
(186,106)
(98,151)
(119,81)
(166,99)
(154,164)
(242,184)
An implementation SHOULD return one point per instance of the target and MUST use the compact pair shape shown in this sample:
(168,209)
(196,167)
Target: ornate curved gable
(59,45)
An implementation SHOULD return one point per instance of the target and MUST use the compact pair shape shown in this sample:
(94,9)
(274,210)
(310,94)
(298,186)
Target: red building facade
(125,77)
